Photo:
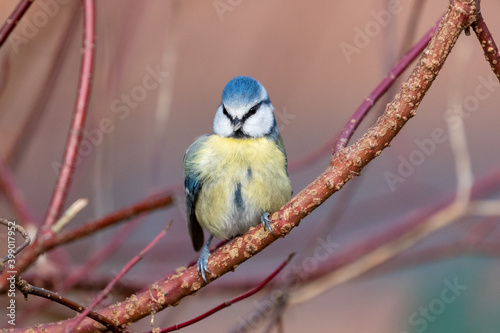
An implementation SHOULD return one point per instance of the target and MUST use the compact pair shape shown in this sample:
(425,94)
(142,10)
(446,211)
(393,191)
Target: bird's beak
(236,124)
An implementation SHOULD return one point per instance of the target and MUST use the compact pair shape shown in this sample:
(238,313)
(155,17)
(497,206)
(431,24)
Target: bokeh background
(318,61)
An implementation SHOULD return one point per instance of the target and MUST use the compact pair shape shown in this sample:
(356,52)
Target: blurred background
(160,70)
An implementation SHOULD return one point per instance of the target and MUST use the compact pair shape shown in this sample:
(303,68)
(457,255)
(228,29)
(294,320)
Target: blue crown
(242,91)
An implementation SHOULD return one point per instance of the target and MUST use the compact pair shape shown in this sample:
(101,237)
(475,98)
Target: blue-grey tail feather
(193,188)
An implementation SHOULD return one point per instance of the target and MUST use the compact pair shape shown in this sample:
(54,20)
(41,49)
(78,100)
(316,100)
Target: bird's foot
(202,263)
(266,222)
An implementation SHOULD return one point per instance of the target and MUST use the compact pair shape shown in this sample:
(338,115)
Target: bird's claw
(202,264)
(266,222)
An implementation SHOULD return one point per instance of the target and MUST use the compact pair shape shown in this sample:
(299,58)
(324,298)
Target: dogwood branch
(32,252)
(380,90)
(13,194)
(28,289)
(124,271)
(221,306)
(13,19)
(76,132)
(488,44)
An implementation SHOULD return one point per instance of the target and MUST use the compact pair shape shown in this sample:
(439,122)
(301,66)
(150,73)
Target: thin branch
(380,255)
(488,44)
(365,106)
(13,19)
(34,117)
(13,226)
(28,289)
(31,254)
(89,268)
(69,214)
(13,194)
(76,132)
(226,304)
(124,271)
(380,90)
(484,186)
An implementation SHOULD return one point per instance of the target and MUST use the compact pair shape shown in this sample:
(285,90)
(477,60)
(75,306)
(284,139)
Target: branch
(226,304)
(28,289)
(76,132)
(13,226)
(89,267)
(381,89)
(344,165)
(124,271)
(488,44)
(13,19)
(365,107)
(13,194)
(31,254)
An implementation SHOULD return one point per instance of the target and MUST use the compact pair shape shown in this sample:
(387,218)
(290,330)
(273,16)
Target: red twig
(482,187)
(226,304)
(124,271)
(488,44)
(28,289)
(341,141)
(13,226)
(30,255)
(13,195)
(13,19)
(380,90)
(76,132)
(89,267)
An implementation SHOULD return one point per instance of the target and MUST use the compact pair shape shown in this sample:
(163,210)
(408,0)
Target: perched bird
(238,175)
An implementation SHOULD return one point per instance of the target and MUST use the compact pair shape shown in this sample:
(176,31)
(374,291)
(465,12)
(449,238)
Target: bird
(237,176)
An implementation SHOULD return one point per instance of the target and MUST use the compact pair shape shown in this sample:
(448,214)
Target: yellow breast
(241,179)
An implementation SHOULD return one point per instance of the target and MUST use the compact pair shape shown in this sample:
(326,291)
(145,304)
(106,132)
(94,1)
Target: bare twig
(76,132)
(34,118)
(69,214)
(124,271)
(365,107)
(380,255)
(13,226)
(488,44)
(31,254)
(13,194)
(379,91)
(89,268)
(221,306)
(28,289)
(13,19)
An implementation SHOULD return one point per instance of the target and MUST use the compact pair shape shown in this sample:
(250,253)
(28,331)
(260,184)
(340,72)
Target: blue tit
(238,175)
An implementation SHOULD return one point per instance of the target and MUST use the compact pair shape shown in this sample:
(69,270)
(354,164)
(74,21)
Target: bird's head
(245,111)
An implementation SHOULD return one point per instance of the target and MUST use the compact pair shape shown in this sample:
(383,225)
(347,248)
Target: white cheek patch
(260,123)
(222,124)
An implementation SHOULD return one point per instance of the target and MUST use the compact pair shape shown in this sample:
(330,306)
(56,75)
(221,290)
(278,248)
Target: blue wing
(193,185)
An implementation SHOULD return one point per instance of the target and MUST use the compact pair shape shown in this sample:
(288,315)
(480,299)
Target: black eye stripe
(224,111)
(253,110)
